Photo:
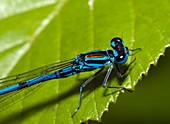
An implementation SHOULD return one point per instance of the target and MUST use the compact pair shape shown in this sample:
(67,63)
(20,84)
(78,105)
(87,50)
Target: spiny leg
(135,49)
(106,79)
(81,89)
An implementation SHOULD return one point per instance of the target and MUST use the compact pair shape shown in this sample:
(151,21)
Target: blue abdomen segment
(9,89)
(69,71)
(65,72)
(28,83)
(40,79)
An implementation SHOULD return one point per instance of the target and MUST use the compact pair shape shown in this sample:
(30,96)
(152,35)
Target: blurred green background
(150,103)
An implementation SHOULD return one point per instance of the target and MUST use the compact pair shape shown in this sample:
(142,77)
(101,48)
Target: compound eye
(115,42)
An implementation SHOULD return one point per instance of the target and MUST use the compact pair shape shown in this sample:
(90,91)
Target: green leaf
(38,32)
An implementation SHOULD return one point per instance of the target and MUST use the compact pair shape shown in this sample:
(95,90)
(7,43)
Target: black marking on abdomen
(22,85)
(63,73)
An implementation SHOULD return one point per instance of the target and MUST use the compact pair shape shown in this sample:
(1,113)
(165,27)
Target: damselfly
(88,61)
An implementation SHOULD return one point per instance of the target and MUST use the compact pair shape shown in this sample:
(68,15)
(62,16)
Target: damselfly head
(121,52)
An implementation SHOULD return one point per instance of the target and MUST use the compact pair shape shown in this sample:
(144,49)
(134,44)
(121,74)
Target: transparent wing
(11,80)
(11,98)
